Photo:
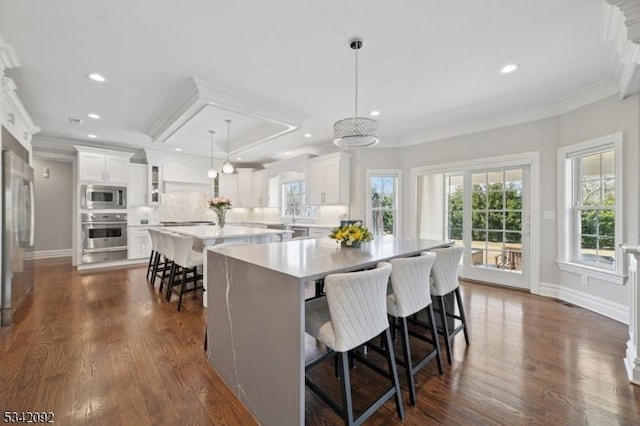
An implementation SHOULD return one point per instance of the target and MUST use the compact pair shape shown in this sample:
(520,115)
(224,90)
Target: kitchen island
(256,314)
(208,236)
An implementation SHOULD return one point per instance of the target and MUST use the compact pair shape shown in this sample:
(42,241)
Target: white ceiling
(431,67)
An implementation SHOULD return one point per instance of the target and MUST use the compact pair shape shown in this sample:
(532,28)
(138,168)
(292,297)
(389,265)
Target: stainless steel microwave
(103,197)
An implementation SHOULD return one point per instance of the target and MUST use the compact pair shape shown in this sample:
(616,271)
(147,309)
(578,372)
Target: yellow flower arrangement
(351,234)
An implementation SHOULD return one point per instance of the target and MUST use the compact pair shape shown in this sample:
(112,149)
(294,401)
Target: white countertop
(315,258)
(209,232)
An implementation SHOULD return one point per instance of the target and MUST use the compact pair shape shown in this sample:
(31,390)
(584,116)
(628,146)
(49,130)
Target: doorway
(488,209)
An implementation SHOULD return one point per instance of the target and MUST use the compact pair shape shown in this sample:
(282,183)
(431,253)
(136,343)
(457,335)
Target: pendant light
(355,132)
(212,173)
(227,167)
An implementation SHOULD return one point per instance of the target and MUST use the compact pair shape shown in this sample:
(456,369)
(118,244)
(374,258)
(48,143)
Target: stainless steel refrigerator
(18,223)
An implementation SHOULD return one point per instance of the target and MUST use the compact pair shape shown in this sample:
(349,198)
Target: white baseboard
(46,254)
(616,311)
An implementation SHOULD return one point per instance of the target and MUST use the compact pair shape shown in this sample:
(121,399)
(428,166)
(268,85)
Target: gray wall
(53,197)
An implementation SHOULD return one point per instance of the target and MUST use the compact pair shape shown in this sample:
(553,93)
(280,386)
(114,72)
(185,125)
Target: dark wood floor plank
(104,348)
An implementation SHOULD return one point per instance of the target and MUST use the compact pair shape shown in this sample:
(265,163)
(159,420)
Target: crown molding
(587,95)
(195,95)
(631,11)
(11,98)
(8,56)
(621,25)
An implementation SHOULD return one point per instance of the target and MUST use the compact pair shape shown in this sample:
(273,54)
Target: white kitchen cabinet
(137,189)
(139,242)
(228,187)
(260,186)
(245,190)
(103,166)
(13,115)
(328,179)
(154,177)
(188,172)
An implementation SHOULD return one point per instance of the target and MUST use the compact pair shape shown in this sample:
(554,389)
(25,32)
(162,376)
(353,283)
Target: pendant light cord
(212,132)
(228,132)
(356,109)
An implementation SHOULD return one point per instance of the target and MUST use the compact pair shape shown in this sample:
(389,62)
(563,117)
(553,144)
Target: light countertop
(209,232)
(314,258)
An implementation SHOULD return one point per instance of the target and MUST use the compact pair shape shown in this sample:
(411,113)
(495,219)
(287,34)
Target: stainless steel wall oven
(104,237)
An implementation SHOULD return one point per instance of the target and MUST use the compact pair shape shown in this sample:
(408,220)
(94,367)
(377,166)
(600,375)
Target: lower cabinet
(139,243)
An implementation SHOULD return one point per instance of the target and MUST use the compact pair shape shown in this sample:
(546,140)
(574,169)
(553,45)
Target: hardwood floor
(105,348)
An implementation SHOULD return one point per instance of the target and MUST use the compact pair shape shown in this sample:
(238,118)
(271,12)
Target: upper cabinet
(328,179)
(137,192)
(103,166)
(245,190)
(228,187)
(260,186)
(186,172)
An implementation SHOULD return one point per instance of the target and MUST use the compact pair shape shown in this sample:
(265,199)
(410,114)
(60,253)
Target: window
(382,207)
(591,226)
(454,205)
(594,207)
(293,201)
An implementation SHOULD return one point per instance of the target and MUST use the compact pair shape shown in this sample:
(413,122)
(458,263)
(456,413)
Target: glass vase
(221,218)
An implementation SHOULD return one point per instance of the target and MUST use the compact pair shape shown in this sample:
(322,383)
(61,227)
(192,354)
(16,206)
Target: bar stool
(411,294)
(166,250)
(353,313)
(185,261)
(445,281)
(155,257)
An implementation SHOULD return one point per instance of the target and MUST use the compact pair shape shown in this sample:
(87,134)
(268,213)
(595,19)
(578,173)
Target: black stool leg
(445,327)
(343,371)
(154,268)
(172,277)
(150,265)
(463,318)
(393,370)
(434,336)
(408,365)
(184,284)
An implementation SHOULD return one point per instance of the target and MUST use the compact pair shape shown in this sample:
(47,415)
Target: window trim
(396,173)
(567,236)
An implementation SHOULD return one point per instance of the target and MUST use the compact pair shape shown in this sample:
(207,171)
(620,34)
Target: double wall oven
(104,237)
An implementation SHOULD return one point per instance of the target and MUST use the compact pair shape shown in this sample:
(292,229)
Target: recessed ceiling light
(509,68)
(239,158)
(178,149)
(93,115)
(92,136)
(97,77)
(307,135)
(375,113)
(287,153)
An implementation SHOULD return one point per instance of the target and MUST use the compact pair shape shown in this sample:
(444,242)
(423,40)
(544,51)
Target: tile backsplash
(183,206)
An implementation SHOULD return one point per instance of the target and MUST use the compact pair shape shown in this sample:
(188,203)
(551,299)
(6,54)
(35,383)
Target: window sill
(591,272)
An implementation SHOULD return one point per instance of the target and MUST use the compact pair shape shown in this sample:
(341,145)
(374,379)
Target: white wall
(53,202)
(607,116)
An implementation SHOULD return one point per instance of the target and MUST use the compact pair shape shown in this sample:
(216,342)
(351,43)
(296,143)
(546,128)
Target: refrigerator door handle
(32,215)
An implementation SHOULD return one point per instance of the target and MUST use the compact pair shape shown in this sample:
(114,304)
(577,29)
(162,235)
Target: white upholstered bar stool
(165,247)
(411,294)
(353,313)
(186,260)
(445,281)
(155,265)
